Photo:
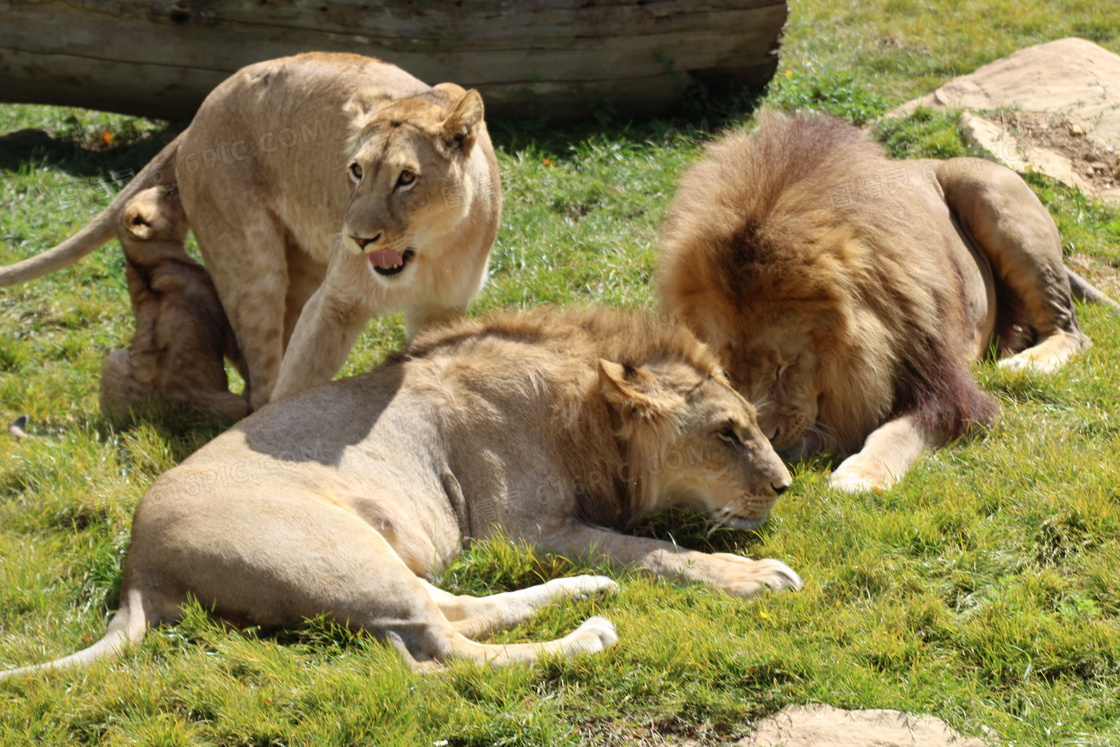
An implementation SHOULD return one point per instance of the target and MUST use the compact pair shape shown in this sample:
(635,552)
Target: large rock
(817,725)
(1064,98)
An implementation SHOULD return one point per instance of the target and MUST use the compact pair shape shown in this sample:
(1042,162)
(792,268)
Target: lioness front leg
(327,328)
(887,455)
(733,574)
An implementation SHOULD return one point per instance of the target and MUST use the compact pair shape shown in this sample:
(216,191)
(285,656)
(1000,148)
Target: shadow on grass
(25,150)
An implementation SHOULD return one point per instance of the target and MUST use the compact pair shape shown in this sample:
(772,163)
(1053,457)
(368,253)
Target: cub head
(408,175)
(155,214)
(690,439)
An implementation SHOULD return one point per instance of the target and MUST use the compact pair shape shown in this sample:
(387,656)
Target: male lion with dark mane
(556,430)
(847,294)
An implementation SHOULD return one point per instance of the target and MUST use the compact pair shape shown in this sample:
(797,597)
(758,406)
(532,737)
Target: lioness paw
(595,635)
(743,577)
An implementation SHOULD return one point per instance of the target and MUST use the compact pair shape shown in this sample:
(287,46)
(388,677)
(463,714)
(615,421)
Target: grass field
(983,589)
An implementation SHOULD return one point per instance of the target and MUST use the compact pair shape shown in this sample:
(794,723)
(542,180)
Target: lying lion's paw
(860,473)
(743,577)
(582,587)
(595,635)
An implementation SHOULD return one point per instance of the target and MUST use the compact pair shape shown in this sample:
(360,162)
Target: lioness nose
(362,242)
(779,489)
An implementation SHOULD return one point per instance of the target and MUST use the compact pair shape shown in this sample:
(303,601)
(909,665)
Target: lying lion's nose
(779,489)
(362,242)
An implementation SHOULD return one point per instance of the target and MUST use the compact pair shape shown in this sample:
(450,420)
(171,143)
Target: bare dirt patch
(1095,161)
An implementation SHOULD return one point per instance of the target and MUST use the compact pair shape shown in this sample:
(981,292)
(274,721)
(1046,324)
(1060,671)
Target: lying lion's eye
(406,178)
(778,373)
(356,170)
(731,436)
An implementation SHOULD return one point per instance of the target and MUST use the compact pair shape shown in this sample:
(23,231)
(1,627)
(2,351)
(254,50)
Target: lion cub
(182,333)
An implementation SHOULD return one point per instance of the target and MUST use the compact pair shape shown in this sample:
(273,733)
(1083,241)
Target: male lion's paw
(595,635)
(860,473)
(581,587)
(743,577)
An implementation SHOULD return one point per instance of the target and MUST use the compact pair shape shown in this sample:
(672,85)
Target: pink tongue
(386,259)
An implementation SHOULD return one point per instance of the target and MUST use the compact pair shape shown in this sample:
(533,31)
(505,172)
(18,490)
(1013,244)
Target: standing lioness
(554,430)
(323,189)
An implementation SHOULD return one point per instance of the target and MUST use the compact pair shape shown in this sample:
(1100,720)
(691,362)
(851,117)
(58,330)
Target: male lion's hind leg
(477,617)
(1008,225)
(887,455)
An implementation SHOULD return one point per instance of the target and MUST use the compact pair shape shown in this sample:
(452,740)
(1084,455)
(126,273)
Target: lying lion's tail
(1085,291)
(126,628)
(99,230)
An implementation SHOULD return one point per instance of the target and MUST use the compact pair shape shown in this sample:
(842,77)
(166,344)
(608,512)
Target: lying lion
(847,294)
(182,334)
(323,189)
(551,430)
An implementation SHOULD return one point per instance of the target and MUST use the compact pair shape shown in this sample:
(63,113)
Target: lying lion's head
(831,318)
(691,440)
(408,174)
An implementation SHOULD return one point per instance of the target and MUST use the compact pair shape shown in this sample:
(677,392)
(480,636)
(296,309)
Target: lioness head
(156,214)
(408,173)
(691,440)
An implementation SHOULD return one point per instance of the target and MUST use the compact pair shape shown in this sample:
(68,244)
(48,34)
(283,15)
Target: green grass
(983,589)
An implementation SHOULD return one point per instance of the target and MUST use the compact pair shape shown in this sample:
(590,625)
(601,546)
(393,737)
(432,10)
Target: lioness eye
(356,170)
(406,178)
(778,373)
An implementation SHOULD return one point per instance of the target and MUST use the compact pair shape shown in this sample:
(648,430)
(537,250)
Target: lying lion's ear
(138,220)
(634,392)
(461,120)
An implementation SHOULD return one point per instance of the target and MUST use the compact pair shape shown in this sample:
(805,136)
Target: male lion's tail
(99,230)
(127,627)
(1086,292)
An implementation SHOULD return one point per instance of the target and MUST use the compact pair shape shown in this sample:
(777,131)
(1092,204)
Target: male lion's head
(408,172)
(691,440)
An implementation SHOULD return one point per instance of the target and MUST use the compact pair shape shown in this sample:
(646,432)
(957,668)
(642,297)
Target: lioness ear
(460,122)
(138,220)
(634,392)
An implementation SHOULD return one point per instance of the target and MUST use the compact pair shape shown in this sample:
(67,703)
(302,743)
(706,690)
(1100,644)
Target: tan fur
(182,334)
(552,430)
(847,294)
(287,230)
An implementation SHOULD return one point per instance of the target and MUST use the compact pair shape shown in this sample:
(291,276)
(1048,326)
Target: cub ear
(635,393)
(137,219)
(461,119)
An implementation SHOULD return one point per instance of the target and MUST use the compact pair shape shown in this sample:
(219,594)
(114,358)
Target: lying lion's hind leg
(440,633)
(1008,225)
(477,617)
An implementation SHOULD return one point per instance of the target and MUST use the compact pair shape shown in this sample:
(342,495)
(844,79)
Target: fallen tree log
(554,58)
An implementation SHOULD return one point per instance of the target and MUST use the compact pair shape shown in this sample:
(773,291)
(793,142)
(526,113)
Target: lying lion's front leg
(732,574)
(887,455)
